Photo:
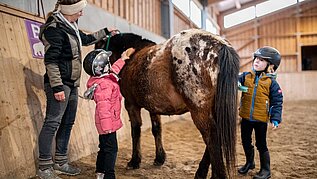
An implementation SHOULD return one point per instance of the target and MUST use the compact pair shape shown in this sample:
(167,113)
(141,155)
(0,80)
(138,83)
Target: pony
(194,71)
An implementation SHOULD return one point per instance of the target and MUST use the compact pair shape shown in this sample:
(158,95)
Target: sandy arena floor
(293,149)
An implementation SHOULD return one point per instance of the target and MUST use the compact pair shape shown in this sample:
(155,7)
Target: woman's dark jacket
(62,57)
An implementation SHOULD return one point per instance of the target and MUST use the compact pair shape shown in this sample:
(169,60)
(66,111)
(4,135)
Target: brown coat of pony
(193,71)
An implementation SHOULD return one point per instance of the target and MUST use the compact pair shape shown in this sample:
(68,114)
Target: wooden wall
(181,21)
(144,13)
(287,30)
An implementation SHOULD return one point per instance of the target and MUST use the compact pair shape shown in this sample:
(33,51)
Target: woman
(62,40)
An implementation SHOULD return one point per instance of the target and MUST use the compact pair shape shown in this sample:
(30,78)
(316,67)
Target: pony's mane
(134,40)
(123,41)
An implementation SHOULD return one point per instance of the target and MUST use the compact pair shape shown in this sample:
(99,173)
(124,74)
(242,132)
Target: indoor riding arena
(290,26)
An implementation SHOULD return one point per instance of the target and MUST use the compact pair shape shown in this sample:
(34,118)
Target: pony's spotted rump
(195,52)
(193,71)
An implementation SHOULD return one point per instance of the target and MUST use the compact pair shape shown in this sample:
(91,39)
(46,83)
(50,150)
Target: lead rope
(108,41)
(109,36)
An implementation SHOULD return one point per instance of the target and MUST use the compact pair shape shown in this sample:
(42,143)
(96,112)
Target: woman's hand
(113,31)
(60,96)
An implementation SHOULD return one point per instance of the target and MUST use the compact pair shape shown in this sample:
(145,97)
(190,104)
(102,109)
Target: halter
(108,38)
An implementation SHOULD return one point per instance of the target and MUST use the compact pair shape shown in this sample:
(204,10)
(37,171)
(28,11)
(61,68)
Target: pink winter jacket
(108,100)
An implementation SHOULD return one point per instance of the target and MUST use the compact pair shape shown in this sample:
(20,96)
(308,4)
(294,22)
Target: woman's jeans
(60,117)
(107,155)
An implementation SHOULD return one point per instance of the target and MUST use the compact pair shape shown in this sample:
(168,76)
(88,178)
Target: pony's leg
(157,133)
(204,164)
(201,121)
(136,123)
(214,147)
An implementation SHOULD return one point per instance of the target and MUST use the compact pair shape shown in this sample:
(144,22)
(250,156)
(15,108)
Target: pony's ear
(100,44)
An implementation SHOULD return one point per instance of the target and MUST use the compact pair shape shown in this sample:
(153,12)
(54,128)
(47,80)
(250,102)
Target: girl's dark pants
(107,155)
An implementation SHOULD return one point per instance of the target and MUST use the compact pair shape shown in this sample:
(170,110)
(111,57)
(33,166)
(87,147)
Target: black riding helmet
(270,54)
(97,62)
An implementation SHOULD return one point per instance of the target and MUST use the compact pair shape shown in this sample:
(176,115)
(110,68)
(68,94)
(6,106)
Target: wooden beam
(243,6)
(19,13)
(213,1)
(237,3)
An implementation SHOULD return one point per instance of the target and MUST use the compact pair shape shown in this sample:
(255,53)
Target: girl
(104,89)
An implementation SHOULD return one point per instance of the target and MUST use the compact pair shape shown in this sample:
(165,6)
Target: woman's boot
(249,164)
(265,171)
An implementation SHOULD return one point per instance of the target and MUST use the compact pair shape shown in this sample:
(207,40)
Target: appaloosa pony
(193,71)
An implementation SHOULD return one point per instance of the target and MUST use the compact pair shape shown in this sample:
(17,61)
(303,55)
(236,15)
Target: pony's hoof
(156,163)
(132,166)
(159,159)
(197,176)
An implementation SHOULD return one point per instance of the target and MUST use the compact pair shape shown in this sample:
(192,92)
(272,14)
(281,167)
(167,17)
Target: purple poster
(33,30)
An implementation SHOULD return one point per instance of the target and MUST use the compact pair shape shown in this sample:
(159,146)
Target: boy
(262,102)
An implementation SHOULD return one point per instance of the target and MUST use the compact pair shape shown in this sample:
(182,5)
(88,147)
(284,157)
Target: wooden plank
(126,9)
(135,10)
(110,6)
(2,164)
(150,16)
(104,5)
(131,10)
(121,5)
(147,12)
(143,14)
(298,43)
(15,72)
(6,108)
(116,7)
(158,17)
(8,151)
(28,130)
(23,124)
(20,13)
(97,3)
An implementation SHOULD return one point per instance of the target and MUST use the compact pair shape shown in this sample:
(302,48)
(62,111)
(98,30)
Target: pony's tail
(226,104)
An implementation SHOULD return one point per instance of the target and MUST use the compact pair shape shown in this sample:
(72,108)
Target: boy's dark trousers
(107,155)
(260,129)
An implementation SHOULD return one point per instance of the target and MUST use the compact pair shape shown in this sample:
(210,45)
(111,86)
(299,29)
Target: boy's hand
(126,54)
(274,124)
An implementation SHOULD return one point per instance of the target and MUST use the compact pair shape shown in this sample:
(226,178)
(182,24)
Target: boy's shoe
(100,175)
(47,174)
(66,169)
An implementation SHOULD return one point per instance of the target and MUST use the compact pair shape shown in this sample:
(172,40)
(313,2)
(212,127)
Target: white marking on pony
(202,45)
(186,67)
(159,51)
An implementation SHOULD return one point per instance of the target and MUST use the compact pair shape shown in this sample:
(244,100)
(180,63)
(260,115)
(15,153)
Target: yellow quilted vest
(255,102)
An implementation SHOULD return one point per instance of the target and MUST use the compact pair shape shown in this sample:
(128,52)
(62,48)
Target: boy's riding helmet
(270,54)
(97,62)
